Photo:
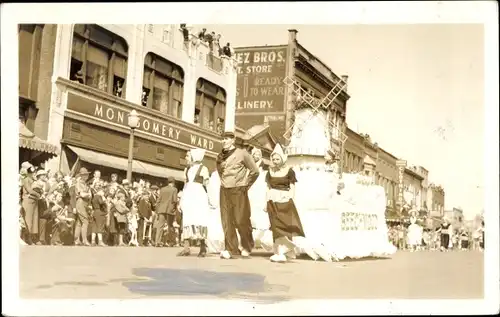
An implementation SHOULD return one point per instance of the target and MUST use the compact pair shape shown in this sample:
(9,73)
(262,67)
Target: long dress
(414,235)
(194,204)
(283,215)
(445,236)
(257,197)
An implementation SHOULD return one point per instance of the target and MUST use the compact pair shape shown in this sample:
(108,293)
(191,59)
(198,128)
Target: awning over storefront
(42,150)
(120,163)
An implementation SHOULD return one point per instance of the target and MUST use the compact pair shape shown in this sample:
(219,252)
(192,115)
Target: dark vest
(197,178)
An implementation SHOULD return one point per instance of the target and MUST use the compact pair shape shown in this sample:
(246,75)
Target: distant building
(435,200)
(455,217)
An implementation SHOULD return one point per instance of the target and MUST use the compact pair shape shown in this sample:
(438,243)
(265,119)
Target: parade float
(343,214)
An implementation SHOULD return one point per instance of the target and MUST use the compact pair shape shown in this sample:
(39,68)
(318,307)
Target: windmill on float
(316,128)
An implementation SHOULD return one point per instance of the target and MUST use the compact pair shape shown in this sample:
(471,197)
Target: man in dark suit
(165,208)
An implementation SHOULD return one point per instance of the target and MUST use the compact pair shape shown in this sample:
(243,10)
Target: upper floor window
(163,85)
(210,106)
(99,59)
(30,43)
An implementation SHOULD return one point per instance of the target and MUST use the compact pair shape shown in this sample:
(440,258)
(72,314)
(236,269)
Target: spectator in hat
(165,208)
(30,199)
(83,197)
(120,211)
(237,171)
(145,207)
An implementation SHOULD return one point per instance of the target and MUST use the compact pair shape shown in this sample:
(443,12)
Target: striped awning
(28,140)
(120,163)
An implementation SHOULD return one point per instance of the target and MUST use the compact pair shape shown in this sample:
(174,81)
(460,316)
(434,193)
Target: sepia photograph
(335,157)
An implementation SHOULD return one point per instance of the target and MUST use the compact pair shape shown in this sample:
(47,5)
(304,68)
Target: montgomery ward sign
(161,128)
(260,88)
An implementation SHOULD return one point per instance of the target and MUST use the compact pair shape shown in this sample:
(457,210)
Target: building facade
(359,148)
(412,188)
(274,80)
(95,75)
(435,201)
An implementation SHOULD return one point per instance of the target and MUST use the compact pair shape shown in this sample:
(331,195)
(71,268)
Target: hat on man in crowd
(228,134)
(40,173)
(171,179)
(154,187)
(83,171)
(26,165)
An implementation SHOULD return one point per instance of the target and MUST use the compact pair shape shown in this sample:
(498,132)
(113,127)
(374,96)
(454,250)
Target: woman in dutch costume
(194,204)
(283,215)
(445,231)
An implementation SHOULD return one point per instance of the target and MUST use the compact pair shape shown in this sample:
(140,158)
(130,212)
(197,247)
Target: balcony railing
(214,62)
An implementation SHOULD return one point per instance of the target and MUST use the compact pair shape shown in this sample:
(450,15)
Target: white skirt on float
(215,238)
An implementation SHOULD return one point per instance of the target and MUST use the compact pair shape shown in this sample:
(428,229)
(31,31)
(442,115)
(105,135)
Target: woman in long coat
(194,203)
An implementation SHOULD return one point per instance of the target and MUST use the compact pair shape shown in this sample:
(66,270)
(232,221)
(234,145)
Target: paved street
(123,273)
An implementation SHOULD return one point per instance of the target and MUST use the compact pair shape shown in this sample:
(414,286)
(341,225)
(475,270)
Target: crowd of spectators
(58,209)
(213,40)
(461,239)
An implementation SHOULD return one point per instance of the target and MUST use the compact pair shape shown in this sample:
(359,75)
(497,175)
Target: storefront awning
(120,163)
(28,140)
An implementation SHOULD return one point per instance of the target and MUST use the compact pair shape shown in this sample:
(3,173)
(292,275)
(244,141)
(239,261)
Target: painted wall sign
(161,128)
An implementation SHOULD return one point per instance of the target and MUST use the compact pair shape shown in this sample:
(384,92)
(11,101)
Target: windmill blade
(333,94)
(298,90)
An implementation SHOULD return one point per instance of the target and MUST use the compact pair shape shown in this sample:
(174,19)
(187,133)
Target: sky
(416,89)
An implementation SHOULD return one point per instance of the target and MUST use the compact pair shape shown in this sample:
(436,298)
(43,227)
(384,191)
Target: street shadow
(189,282)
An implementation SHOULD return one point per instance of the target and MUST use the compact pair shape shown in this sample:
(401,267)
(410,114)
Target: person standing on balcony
(227,50)
(217,46)
(238,172)
(210,40)
(201,35)
(185,32)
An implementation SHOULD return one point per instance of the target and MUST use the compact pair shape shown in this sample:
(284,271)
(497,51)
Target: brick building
(88,78)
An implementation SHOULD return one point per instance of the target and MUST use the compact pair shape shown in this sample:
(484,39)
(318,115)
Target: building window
(99,59)
(30,43)
(210,106)
(162,85)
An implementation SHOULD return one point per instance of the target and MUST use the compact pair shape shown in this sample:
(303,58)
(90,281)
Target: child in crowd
(132,219)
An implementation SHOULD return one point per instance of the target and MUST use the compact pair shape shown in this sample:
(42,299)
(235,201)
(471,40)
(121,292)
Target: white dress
(215,239)
(414,234)
(257,197)
(194,205)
